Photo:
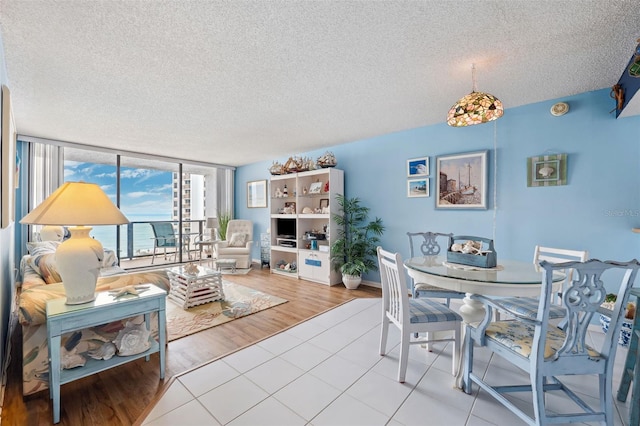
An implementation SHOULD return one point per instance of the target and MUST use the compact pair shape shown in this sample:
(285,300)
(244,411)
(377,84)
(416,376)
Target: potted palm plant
(353,253)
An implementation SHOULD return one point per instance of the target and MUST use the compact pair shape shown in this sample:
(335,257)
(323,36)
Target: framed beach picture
(257,194)
(462,181)
(418,167)
(417,188)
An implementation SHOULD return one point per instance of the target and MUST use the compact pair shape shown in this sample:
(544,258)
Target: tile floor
(327,371)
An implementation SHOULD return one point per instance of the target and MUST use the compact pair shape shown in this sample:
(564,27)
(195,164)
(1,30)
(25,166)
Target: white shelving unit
(302,225)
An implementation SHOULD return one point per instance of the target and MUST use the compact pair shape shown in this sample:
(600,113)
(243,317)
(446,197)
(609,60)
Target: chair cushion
(45,266)
(528,307)
(425,310)
(238,240)
(426,288)
(518,337)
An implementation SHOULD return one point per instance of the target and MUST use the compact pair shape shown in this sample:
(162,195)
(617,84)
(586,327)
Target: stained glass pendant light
(475,108)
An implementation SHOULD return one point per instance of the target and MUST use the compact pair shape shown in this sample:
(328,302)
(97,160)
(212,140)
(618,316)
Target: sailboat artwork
(462,181)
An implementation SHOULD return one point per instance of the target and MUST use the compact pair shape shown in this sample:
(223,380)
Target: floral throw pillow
(45,265)
(238,240)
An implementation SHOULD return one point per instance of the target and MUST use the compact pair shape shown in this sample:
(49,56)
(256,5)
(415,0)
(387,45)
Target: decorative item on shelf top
(276,168)
(472,251)
(327,160)
(293,165)
(308,164)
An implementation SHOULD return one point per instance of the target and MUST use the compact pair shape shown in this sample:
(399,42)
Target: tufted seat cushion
(519,337)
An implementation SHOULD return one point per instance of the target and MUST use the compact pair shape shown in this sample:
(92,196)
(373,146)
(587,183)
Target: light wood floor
(120,396)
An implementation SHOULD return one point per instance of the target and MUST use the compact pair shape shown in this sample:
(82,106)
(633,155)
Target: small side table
(63,318)
(195,289)
(226,264)
(207,243)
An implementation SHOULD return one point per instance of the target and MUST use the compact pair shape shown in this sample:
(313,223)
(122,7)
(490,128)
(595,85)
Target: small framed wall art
(257,194)
(418,188)
(418,167)
(547,170)
(462,181)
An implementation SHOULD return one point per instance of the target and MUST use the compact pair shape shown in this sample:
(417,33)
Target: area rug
(238,271)
(239,301)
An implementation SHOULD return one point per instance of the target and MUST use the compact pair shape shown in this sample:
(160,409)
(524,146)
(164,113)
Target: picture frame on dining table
(461,180)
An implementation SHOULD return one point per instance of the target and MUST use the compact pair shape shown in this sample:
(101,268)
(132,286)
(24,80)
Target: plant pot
(351,281)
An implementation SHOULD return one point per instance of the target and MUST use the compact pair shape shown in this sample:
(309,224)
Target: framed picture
(418,167)
(547,170)
(315,188)
(417,188)
(257,194)
(9,164)
(324,202)
(462,181)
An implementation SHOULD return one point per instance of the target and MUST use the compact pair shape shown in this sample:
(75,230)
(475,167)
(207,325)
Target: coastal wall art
(547,170)
(462,181)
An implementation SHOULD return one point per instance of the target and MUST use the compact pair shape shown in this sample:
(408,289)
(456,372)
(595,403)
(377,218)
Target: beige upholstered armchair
(238,244)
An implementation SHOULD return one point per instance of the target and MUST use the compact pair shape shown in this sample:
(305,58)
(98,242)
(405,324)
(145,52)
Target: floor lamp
(79,258)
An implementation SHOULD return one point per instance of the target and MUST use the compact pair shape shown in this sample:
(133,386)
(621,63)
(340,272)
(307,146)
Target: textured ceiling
(234,82)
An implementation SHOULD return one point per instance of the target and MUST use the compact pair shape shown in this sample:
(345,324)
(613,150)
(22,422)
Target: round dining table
(508,278)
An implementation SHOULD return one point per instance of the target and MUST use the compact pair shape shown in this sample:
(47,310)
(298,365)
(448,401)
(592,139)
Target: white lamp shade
(212,222)
(76,203)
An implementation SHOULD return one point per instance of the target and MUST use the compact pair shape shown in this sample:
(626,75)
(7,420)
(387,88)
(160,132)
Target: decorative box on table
(481,251)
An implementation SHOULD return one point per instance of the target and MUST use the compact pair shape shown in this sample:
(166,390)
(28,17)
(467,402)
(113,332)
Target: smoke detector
(561,108)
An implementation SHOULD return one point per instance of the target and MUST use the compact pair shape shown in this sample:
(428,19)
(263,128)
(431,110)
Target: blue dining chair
(427,244)
(529,305)
(547,352)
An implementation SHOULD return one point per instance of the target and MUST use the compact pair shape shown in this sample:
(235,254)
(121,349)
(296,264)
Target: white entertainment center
(302,205)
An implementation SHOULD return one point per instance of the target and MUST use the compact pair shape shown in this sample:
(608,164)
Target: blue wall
(595,211)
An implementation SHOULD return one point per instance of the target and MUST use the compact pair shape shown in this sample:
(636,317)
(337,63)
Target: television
(286,228)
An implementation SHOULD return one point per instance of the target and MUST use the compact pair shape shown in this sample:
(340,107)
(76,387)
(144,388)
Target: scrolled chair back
(582,298)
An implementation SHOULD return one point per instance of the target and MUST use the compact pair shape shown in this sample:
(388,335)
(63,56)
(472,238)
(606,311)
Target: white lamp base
(79,260)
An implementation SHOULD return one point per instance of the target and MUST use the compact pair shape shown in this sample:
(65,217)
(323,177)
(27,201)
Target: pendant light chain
(473,77)
(495,178)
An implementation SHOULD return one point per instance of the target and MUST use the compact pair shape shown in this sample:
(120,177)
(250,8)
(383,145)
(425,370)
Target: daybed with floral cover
(41,282)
